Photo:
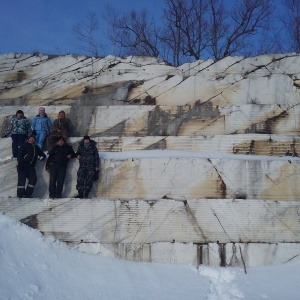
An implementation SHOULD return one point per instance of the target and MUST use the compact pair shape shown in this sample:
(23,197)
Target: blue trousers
(40,137)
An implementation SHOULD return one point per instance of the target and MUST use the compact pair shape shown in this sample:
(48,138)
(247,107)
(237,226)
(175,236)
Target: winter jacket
(28,154)
(41,123)
(89,155)
(58,155)
(19,126)
(63,125)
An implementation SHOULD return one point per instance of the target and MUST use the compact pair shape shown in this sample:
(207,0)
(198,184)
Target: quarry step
(153,120)
(218,178)
(228,232)
(176,175)
(247,144)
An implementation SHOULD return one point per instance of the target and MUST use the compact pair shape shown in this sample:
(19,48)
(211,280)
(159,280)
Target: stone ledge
(240,144)
(216,232)
(154,120)
(103,220)
(210,254)
(172,176)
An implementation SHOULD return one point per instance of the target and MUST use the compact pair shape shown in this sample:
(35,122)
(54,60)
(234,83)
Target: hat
(31,135)
(86,137)
(60,138)
(41,108)
(20,112)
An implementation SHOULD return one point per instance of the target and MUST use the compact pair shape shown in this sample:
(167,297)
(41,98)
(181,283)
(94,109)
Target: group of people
(27,147)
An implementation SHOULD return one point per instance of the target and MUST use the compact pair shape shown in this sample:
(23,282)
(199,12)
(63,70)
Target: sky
(46,25)
(38,267)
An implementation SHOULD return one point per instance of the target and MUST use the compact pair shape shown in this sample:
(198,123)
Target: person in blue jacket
(41,126)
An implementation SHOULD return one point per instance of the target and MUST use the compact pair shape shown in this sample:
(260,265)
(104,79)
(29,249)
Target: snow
(38,267)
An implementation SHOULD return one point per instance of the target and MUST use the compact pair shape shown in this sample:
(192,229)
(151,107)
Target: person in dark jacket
(19,129)
(56,165)
(89,163)
(27,157)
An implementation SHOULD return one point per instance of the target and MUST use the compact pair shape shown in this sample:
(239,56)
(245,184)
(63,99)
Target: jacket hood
(20,112)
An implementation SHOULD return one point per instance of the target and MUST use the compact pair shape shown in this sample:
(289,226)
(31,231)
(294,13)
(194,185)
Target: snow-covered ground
(35,267)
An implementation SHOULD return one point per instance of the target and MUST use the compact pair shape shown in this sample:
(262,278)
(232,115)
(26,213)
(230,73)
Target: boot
(27,196)
(80,195)
(86,194)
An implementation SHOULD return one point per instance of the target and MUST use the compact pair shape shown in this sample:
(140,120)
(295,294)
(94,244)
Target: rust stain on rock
(126,182)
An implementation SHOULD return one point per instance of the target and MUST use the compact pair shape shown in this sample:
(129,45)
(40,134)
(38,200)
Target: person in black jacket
(27,157)
(56,165)
(89,163)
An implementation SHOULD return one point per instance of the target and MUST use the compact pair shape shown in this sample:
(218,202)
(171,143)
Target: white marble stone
(213,206)
(269,79)
(204,231)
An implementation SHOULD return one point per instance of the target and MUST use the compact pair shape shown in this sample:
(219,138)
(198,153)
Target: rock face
(209,135)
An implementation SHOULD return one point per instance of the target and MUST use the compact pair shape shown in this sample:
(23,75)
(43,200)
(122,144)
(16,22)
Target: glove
(4,136)
(20,167)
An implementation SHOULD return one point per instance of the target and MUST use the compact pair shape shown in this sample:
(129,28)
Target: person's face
(86,141)
(61,115)
(19,115)
(31,140)
(41,111)
(60,142)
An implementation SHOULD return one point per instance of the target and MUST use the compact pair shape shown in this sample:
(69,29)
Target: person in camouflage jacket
(89,163)
(19,129)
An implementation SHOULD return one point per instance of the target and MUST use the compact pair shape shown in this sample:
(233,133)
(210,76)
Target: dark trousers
(84,180)
(17,141)
(27,173)
(57,179)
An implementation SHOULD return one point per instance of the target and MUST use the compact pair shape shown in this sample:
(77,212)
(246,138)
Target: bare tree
(194,29)
(269,41)
(86,32)
(134,32)
(291,23)
(185,28)
(232,32)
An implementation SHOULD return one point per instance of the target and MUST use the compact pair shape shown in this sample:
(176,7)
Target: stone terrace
(228,189)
